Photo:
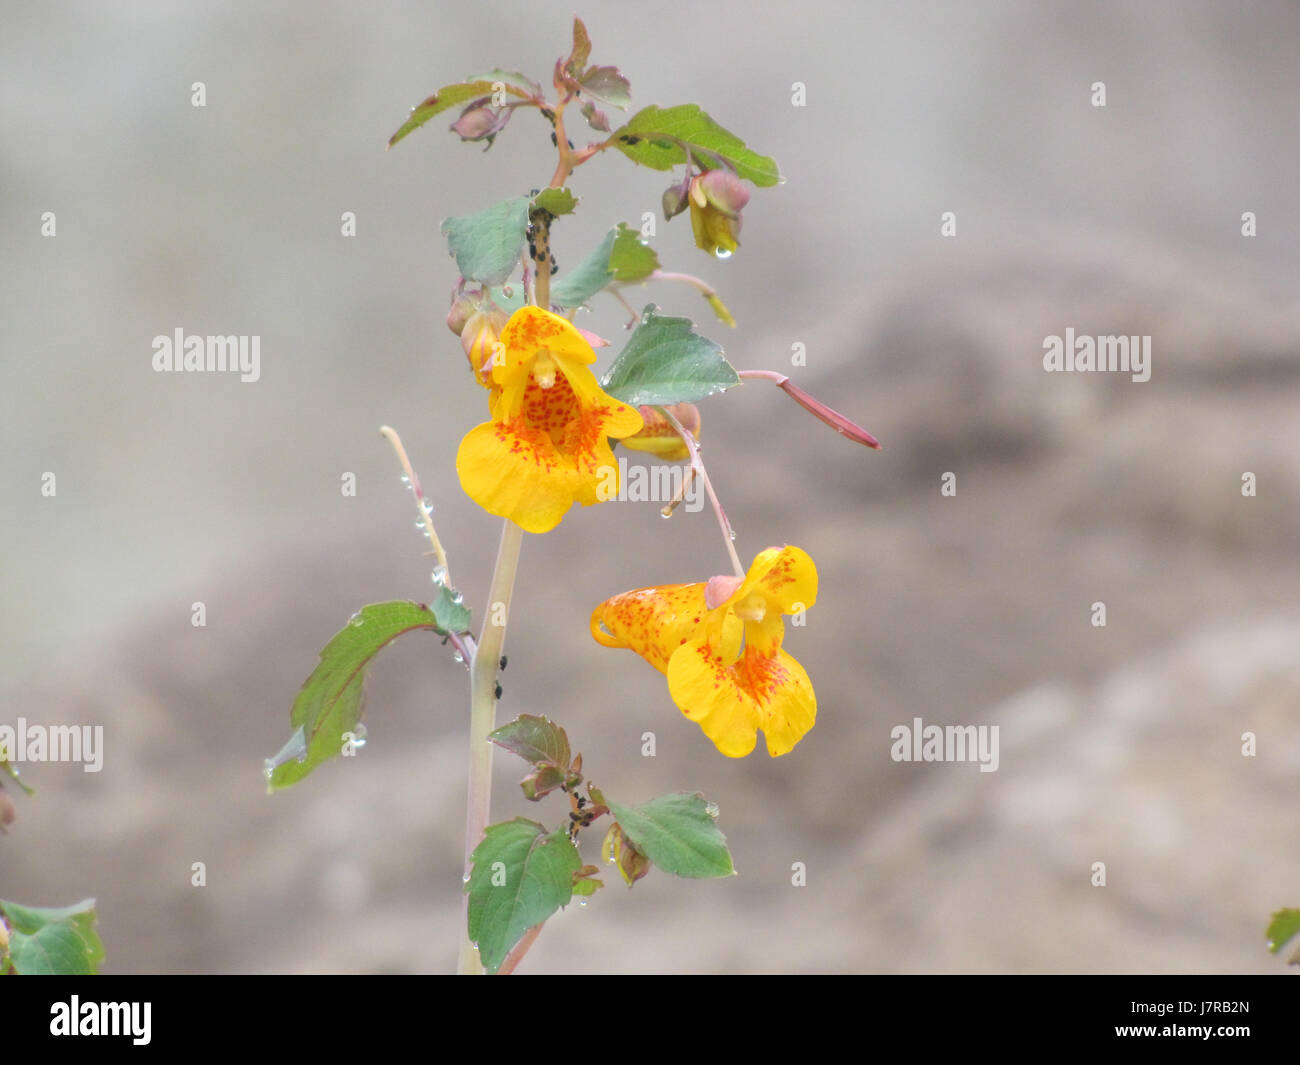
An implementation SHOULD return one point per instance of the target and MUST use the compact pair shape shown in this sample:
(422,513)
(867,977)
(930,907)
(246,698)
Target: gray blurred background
(1119,745)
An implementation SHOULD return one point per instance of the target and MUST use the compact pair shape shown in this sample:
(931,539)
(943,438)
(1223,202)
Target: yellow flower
(546,446)
(658,436)
(719,644)
(716,200)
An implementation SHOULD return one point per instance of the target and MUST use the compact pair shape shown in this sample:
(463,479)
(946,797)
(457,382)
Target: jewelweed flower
(547,444)
(658,436)
(719,644)
(716,199)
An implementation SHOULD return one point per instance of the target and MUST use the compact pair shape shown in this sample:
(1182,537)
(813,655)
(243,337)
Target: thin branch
(697,464)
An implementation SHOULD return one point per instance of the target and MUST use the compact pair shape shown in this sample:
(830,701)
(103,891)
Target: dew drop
(666,512)
(457,597)
(419,524)
(356,621)
(406,480)
(712,810)
(733,534)
(465,879)
(268,769)
(456,656)
(722,253)
(358,735)
(302,757)
(439,575)
(582,902)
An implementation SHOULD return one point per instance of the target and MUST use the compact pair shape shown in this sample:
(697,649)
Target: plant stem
(426,518)
(483,708)
(728,533)
(487,656)
(426,511)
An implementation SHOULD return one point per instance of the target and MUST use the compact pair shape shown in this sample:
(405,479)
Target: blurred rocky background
(1120,744)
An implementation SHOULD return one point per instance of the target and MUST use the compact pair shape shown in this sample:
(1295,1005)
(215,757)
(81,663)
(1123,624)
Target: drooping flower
(659,437)
(719,644)
(547,444)
(716,199)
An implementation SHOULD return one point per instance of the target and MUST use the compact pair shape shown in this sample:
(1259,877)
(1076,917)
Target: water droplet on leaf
(439,575)
(356,621)
(712,810)
(457,597)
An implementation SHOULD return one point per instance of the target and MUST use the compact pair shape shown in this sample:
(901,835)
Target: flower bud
(461,309)
(476,124)
(675,200)
(480,337)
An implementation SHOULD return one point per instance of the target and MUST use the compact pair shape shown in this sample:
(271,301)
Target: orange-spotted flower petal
(547,445)
(725,666)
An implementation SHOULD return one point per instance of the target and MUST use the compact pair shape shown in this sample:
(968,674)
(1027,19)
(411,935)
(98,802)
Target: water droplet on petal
(722,253)
(439,575)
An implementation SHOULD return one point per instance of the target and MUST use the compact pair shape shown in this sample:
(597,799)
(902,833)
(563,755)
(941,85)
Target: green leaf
(332,698)
(447,96)
(631,259)
(660,138)
(534,739)
(52,942)
(515,83)
(542,781)
(557,201)
(487,245)
(585,882)
(450,615)
(520,877)
(608,86)
(577,286)
(678,835)
(1284,927)
(666,361)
